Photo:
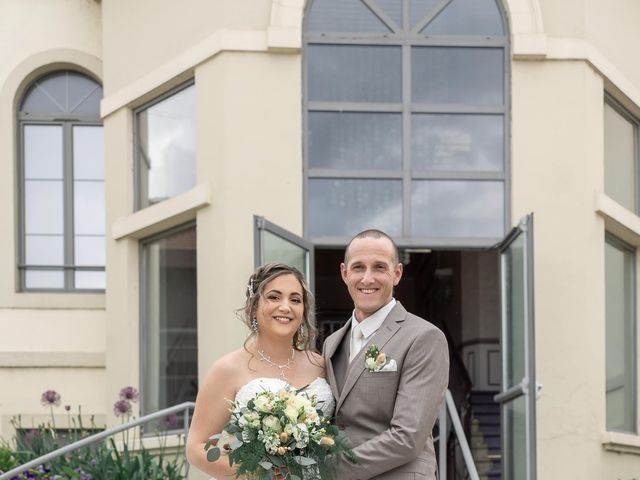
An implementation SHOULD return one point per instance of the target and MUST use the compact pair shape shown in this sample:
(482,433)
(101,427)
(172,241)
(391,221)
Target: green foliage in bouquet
(284,430)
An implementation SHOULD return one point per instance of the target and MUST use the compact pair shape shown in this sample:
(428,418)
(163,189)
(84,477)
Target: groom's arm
(423,381)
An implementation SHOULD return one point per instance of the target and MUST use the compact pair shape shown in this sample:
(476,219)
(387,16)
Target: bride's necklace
(267,359)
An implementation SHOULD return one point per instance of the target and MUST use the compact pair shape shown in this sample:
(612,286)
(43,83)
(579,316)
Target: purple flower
(50,398)
(169,421)
(130,394)
(121,408)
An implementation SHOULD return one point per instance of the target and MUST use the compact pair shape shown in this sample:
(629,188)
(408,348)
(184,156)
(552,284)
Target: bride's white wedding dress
(319,387)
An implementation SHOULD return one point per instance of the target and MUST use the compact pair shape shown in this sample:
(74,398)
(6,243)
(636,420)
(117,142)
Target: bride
(278,352)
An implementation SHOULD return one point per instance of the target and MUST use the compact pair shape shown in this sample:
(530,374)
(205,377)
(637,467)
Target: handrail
(96,437)
(449,406)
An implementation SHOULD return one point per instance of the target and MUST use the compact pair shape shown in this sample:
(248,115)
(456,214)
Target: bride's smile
(280,307)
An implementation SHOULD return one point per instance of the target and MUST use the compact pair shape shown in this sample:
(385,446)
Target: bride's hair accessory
(250,291)
(267,359)
(254,325)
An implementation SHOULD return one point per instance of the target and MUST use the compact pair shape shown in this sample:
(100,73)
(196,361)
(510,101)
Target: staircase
(485,435)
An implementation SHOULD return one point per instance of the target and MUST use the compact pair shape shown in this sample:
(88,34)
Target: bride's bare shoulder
(232,363)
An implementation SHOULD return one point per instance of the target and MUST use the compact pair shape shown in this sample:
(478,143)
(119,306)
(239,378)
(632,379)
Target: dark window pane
(515,417)
(620,157)
(343,16)
(457,142)
(452,75)
(457,208)
(514,270)
(467,17)
(88,153)
(354,73)
(170,372)
(345,207)
(355,140)
(167,155)
(43,152)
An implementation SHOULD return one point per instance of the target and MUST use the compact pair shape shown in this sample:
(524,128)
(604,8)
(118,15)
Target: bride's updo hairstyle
(305,337)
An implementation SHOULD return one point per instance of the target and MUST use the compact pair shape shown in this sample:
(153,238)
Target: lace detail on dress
(319,387)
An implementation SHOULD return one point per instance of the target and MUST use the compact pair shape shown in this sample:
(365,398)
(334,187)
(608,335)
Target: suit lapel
(387,330)
(332,345)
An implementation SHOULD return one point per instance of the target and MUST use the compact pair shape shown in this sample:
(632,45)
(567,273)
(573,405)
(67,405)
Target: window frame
(617,106)
(617,242)
(406,108)
(137,172)
(67,122)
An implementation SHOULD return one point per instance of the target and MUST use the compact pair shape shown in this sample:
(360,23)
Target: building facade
(153,152)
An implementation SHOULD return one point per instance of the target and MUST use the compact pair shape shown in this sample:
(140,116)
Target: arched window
(405,112)
(61,184)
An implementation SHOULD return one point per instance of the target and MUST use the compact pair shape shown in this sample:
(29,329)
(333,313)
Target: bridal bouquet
(284,430)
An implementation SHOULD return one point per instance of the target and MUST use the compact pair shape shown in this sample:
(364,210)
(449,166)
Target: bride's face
(281,306)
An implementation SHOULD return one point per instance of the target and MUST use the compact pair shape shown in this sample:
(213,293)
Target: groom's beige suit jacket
(388,415)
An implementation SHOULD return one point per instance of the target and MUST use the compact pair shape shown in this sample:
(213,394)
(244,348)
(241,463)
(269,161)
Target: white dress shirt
(368,327)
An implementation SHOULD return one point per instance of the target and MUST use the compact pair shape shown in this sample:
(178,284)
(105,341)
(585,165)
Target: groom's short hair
(374,233)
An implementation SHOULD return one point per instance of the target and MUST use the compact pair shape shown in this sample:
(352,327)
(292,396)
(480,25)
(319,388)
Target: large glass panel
(88,153)
(620,335)
(467,17)
(44,279)
(88,203)
(84,95)
(43,152)
(90,280)
(457,208)
(620,177)
(44,249)
(393,8)
(514,322)
(89,250)
(457,142)
(170,356)
(515,428)
(454,75)
(419,9)
(354,73)
(342,207)
(43,207)
(277,249)
(343,16)
(355,140)
(167,151)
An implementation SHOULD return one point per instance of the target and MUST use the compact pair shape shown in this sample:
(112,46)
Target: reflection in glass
(43,206)
(44,279)
(457,75)
(457,208)
(620,152)
(354,73)
(43,152)
(343,16)
(277,249)
(620,333)
(88,153)
(355,140)
(167,151)
(467,17)
(88,204)
(513,284)
(346,207)
(170,357)
(515,427)
(457,142)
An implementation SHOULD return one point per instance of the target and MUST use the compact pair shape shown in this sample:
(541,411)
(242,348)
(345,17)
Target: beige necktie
(356,341)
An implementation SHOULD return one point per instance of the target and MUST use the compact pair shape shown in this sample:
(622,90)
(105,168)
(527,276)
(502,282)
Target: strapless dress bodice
(319,387)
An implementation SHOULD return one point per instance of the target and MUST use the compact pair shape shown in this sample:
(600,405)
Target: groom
(386,405)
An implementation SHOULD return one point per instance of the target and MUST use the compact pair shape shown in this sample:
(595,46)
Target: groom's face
(370,273)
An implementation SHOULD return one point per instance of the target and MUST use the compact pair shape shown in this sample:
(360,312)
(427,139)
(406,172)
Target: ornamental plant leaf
(304,461)
(213,454)
(266,465)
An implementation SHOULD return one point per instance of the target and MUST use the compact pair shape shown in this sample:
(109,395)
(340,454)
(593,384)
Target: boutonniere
(375,360)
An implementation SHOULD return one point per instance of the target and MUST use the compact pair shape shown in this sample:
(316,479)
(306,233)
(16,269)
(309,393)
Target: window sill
(162,216)
(621,442)
(57,300)
(619,221)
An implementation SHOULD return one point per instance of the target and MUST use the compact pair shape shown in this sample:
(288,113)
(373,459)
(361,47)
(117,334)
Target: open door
(517,397)
(275,244)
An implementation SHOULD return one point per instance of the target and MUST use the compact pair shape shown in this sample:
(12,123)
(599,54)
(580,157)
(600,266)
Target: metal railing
(97,437)
(448,407)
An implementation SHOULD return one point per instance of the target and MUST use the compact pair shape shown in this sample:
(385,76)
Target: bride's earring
(254,325)
(301,332)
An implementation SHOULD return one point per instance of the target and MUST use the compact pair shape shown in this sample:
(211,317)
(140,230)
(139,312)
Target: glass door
(273,243)
(517,398)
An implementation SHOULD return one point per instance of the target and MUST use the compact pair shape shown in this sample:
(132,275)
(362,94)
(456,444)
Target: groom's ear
(343,272)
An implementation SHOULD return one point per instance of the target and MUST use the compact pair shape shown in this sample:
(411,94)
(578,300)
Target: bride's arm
(211,414)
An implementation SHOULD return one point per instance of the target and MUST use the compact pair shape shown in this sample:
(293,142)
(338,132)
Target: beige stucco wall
(48,341)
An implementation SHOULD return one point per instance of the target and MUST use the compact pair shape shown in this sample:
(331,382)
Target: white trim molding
(621,222)
(52,360)
(621,442)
